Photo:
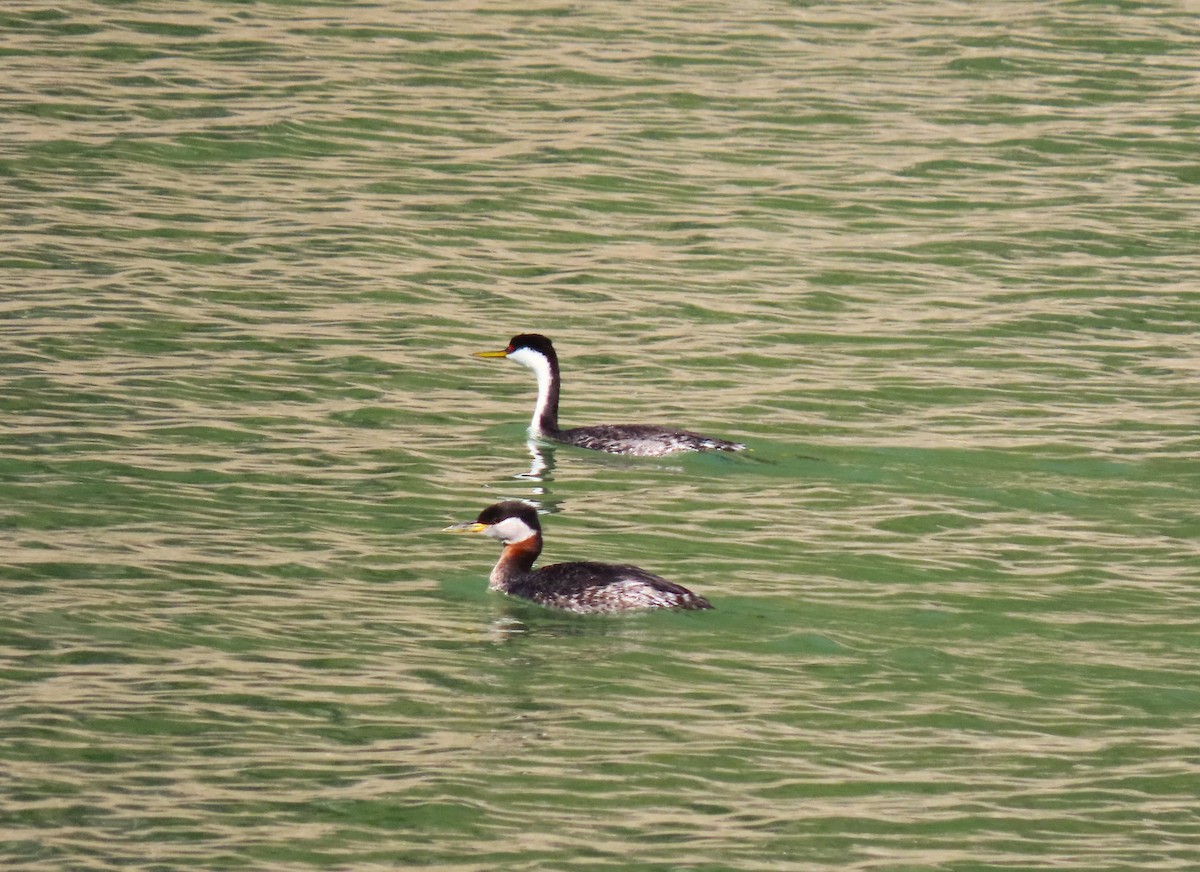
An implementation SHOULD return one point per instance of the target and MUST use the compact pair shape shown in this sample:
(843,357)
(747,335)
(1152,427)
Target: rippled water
(937,263)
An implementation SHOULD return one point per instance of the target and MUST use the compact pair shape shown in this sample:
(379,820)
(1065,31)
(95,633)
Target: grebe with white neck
(536,352)
(583,587)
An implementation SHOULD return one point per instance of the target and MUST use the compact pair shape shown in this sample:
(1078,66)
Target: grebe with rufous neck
(583,587)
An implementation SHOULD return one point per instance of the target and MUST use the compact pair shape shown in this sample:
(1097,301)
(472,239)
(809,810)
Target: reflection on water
(541,464)
(938,269)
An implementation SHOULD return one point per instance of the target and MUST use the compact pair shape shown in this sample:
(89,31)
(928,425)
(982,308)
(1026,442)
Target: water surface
(935,263)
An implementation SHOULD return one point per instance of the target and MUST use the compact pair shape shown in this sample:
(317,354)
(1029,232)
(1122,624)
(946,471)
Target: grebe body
(583,587)
(536,352)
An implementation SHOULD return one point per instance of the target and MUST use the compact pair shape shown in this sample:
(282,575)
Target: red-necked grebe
(640,440)
(584,587)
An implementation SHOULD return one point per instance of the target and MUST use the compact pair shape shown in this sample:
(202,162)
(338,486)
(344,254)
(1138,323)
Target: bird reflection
(515,621)
(541,464)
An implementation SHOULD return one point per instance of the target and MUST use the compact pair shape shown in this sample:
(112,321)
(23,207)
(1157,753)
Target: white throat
(531,359)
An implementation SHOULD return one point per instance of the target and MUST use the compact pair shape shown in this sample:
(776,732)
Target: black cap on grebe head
(534,342)
(497,512)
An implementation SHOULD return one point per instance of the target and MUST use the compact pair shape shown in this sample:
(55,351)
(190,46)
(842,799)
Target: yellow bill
(465,527)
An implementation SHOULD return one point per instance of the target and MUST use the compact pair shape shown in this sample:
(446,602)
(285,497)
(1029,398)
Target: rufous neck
(516,561)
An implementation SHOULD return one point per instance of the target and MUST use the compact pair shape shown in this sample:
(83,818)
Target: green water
(937,263)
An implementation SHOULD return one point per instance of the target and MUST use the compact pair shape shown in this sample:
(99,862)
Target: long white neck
(545,413)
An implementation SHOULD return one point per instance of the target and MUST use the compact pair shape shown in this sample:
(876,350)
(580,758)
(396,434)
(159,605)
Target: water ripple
(935,264)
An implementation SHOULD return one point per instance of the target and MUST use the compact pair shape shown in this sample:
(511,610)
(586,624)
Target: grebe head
(528,349)
(510,522)
(535,351)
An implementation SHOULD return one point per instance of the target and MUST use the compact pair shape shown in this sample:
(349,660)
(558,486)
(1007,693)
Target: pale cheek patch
(510,530)
(530,358)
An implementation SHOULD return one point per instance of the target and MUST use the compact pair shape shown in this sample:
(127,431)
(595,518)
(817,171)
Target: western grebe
(640,440)
(585,587)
